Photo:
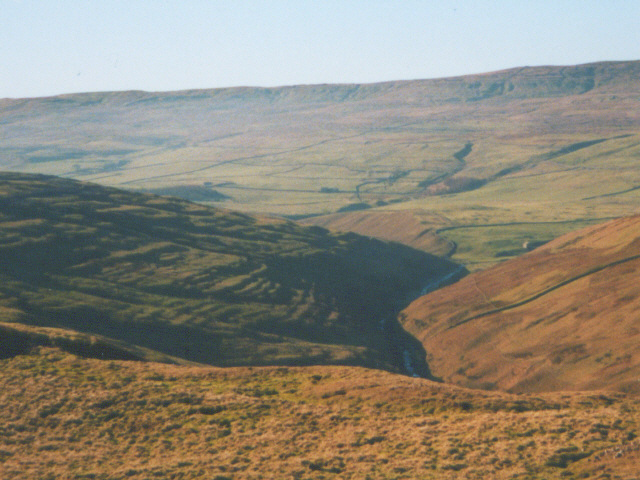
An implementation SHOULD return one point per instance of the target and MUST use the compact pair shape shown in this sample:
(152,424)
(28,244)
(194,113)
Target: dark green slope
(200,283)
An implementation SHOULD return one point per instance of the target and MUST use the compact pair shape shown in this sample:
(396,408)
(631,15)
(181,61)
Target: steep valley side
(563,317)
(203,284)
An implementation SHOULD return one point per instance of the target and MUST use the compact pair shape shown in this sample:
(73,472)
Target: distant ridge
(520,82)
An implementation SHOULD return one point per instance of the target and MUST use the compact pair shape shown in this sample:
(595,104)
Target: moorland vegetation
(562,317)
(204,284)
(69,417)
(119,308)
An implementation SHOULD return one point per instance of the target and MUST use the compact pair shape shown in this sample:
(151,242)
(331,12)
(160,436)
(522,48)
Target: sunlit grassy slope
(547,148)
(563,317)
(200,283)
(68,417)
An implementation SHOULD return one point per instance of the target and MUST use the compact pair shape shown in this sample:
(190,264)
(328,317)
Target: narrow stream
(451,277)
(413,359)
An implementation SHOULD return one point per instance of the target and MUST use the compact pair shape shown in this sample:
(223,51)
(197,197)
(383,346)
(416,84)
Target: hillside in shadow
(203,284)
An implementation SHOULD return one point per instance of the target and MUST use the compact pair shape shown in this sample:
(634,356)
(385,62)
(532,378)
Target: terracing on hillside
(200,283)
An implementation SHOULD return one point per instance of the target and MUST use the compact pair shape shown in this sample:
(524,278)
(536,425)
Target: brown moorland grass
(563,317)
(68,417)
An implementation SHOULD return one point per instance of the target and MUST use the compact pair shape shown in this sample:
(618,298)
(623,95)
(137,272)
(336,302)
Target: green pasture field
(529,145)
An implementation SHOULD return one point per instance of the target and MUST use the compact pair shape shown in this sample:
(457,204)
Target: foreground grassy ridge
(66,417)
(564,316)
(199,283)
(528,145)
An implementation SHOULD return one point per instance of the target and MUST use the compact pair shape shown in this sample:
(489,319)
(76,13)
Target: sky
(50,47)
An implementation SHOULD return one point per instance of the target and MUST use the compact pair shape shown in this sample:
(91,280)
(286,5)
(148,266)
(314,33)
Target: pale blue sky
(49,47)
